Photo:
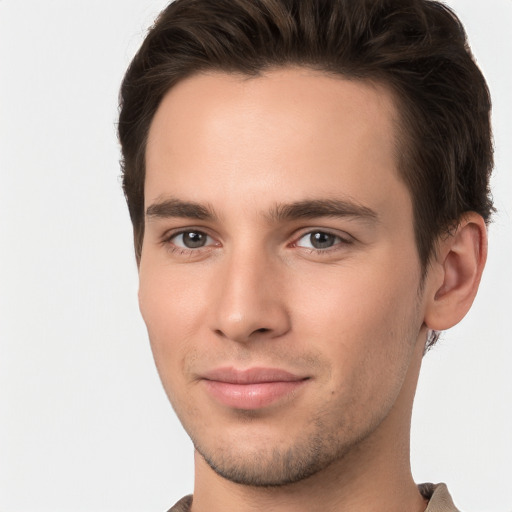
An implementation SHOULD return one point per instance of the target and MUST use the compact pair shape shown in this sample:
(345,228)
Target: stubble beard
(278,467)
(326,441)
(271,467)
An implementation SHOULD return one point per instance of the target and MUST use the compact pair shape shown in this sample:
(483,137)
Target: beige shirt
(438,496)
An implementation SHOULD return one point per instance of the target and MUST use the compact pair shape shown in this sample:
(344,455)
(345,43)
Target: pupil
(321,240)
(192,239)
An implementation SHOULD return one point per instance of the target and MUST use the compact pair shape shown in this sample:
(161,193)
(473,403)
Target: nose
(250,302)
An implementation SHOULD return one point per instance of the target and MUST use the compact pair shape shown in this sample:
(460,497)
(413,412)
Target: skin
(224,154)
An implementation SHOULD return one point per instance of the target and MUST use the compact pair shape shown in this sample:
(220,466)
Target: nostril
(262,330)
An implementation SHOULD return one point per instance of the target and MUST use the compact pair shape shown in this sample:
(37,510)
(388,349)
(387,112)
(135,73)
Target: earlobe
(455,273)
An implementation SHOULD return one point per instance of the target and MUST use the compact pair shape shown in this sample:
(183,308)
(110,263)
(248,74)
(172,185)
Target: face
(279,277)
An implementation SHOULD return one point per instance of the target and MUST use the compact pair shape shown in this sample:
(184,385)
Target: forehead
(293,131)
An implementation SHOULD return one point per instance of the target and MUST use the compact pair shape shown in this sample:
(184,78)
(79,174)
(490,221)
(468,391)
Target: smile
(251,389)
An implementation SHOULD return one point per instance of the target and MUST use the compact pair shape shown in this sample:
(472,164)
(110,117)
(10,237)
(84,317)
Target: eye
(191,239)
(319,240)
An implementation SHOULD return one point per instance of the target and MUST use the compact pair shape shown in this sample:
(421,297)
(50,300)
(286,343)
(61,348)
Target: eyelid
(167,239)
(170,233)
(343,239)
(342,235)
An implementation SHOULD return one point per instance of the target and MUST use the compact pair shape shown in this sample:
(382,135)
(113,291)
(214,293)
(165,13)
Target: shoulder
(183,505)
(439,499)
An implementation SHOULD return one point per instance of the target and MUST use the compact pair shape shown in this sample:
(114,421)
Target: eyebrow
(307,209)
(177,208)
(310,209)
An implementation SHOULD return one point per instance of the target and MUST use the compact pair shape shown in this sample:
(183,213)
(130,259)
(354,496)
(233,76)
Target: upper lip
(233,375)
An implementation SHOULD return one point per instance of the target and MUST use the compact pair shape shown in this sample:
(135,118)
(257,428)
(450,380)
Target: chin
(267,464)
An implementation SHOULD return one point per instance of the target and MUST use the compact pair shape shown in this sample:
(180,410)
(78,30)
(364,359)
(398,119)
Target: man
(308,186)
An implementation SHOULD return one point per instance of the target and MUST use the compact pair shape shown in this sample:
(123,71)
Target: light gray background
(84,423)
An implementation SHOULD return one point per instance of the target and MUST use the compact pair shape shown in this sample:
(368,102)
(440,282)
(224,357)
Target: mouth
(251,389)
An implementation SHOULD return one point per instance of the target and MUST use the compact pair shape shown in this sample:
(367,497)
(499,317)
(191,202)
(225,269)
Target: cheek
(365,319)
(355,298)
(171,308)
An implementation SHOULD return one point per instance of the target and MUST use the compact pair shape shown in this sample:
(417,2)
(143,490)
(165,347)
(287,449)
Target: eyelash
(341,241)
(338,245)
(167,241)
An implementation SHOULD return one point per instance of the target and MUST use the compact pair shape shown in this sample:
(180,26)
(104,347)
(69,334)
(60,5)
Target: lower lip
(251,396)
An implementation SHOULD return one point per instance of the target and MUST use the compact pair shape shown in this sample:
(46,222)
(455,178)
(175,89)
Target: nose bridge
(248,303)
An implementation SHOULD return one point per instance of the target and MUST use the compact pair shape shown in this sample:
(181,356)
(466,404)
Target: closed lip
(260,375)
(253,388)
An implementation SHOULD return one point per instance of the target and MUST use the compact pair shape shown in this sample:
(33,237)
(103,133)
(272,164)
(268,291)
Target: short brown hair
(417,48)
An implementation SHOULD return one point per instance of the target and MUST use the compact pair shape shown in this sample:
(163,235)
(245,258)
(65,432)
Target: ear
(455,272)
